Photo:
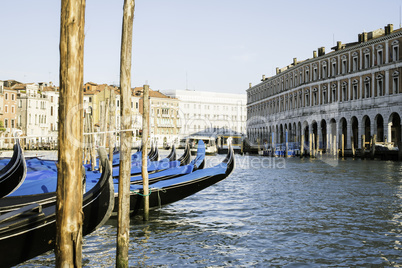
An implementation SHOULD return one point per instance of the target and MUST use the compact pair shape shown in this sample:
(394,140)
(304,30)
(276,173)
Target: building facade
(164,118)
(8,114)
(37,113)
(203,111)
(352,93)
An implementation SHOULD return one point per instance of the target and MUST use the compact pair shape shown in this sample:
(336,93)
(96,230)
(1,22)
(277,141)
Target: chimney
(321,51)
(277,70)
(389,29)
(263,77)
(314,54)
(249,85)
(294,61)
(338,45)
(363,37)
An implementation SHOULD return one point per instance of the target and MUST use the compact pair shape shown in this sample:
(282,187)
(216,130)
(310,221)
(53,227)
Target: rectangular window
(366,61)
(12,97)
(395,85)
(344,67)
(379,57)
(315,74)
(354,97)
(344,94)
(315,98)
(307,100)
(367,90)
(395,53)
(333,69)
(355,64)
(379,88)
(334,95)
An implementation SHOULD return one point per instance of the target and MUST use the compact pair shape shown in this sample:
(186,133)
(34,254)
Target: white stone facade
(209,111)
(354,92)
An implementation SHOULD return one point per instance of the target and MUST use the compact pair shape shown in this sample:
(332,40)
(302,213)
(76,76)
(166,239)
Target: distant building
(95,99)
(164,116)
(8,113)
(203,111)
(37,113)
(352,93)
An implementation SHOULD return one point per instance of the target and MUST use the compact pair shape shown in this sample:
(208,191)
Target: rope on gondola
(150,191)
(159,197)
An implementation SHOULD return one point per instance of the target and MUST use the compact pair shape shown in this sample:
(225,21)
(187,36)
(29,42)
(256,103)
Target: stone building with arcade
(345,97)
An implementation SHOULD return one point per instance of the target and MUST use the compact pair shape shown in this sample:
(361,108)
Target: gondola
(29,231)
(171,190)
(186,157)
(43,181)
(199,160)
(13,174)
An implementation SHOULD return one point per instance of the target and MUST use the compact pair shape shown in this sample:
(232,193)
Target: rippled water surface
(270,212)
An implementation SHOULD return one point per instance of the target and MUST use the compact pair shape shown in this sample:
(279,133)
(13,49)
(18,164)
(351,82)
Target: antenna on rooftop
(186,81)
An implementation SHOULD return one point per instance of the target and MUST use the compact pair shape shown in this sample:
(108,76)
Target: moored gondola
(13,174)
(171,190)
(186,157)
(29,231)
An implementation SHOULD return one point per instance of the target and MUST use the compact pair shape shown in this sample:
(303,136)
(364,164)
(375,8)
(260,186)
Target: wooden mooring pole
(68,248)
(145,134)
(111,127)
(343,145)
(123,221)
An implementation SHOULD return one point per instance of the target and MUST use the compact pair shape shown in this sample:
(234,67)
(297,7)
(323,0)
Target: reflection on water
(270,212)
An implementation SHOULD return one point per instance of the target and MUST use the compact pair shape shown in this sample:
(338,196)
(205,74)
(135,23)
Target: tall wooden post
(343,145)
(286,144)
(372,147)
(93,151)
(123,220)
(69,168)
(302,146)
(145,134)
(353,146)
(335,146)
(111,127)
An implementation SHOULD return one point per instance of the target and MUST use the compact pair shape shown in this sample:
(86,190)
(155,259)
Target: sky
(208,45)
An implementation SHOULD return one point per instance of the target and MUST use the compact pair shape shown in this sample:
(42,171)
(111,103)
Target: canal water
(271,212)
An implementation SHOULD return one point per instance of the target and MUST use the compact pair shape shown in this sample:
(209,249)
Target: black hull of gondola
(34,233)
(171,195)
(14,173)
(174,193)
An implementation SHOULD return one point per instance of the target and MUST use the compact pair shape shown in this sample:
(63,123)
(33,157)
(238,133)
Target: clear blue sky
(208,45)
